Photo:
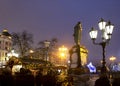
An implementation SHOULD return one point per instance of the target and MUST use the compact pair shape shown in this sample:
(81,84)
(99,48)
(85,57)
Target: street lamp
(31,53)
(112,58)
(106,30)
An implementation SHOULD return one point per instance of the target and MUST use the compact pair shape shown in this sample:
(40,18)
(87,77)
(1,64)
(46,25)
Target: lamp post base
(104,71)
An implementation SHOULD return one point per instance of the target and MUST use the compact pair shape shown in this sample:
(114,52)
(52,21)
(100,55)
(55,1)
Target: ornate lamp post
(106,30)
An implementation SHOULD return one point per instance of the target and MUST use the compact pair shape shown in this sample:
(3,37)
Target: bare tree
(23,41)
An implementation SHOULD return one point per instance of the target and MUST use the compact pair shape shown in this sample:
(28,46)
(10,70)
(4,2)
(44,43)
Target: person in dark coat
(102,81)
(6,79)
(38,79)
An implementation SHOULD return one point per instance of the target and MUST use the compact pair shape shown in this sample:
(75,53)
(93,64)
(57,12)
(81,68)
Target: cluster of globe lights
(105,27)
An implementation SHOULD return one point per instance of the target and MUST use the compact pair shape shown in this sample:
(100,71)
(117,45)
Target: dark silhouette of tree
(54,41)
(23,41)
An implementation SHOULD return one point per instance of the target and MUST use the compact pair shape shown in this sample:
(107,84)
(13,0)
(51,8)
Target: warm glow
(31,51)
(9,37)
(112,58)
(68,61)
(63,54)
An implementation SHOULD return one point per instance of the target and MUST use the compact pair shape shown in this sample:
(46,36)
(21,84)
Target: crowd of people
(26,78)
(50,78)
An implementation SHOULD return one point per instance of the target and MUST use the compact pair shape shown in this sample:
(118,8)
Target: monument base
(78,71)
(80,75)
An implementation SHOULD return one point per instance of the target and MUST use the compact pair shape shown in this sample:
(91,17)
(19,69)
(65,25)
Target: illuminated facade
(5,44)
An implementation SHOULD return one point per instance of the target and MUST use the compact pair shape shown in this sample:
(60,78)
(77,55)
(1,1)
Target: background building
(5,45)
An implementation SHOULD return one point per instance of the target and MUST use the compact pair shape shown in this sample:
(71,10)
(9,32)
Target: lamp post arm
(101,43)
(95,42)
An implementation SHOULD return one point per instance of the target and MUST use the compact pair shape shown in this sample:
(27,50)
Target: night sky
(47,19)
